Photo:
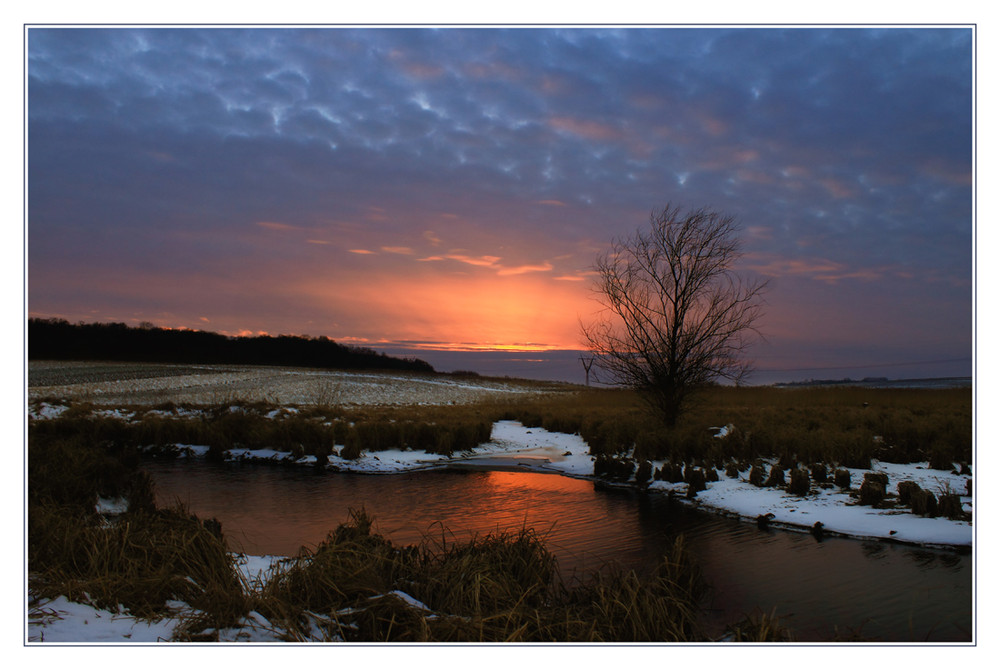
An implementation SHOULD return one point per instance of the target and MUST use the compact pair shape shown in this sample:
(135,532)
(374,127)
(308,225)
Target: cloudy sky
(442,190)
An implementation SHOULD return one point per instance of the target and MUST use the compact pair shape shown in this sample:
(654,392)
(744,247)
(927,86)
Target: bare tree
(676,316)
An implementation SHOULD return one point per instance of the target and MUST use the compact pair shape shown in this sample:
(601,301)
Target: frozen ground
(121,384)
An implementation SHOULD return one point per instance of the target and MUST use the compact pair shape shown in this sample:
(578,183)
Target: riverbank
(838,509)
(511,446)
(357,586)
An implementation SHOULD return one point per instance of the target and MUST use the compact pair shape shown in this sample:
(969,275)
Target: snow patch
(46,411)
(111,506)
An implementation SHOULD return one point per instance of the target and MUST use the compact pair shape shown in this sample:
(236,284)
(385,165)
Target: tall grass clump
(349,567)
(142,559)
(798,482)
(498,572)
(435,438)
(363,583)
(612,467)
(622,606)
(501,587)
(759,627)
(776,477)
(873,489)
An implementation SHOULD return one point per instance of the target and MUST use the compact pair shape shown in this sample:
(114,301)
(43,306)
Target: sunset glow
(470,312)
(437,191)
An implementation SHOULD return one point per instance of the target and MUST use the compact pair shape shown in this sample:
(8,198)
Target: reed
(501,587)
(841,426)
(142,562)
(760,627)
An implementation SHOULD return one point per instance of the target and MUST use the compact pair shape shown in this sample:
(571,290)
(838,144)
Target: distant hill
(57,339)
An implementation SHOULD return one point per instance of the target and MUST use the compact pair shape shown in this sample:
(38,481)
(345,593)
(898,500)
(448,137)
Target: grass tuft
(760,627)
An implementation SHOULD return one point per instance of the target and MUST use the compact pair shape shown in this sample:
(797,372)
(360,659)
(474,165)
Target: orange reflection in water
(509,500)
(516,480)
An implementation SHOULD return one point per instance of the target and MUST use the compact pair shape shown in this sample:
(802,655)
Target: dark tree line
(57,339)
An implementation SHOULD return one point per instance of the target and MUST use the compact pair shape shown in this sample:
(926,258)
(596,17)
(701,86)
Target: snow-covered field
(120,384)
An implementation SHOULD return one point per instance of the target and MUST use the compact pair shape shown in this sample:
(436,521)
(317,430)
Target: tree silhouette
(675,315)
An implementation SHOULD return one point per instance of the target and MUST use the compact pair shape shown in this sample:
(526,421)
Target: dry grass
(760,627)
(142,562)
(502,587)
(845,426)
(808,425)
(839,427)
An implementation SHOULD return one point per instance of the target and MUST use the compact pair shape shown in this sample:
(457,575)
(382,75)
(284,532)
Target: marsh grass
(846,427)
(252,426)
(760,626)
(842,427)
(798,482)
(501,587)
(142,561)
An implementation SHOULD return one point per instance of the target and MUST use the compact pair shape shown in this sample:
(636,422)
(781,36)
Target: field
(121,384)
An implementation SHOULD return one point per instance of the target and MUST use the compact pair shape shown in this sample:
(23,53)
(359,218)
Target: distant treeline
(57,339)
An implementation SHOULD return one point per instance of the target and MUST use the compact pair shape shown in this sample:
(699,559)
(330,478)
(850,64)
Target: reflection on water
(885,591)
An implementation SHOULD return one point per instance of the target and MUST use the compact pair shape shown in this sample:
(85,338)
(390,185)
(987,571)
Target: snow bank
(836,510)
(513,445)
(60,620)
(833,507)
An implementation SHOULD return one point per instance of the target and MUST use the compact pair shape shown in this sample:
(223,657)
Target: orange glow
(522,312)
(501,479)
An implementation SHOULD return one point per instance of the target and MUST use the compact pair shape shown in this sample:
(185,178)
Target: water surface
(826,588)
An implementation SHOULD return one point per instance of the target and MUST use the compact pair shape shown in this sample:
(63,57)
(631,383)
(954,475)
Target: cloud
(274,225)
(591,130)
(492,263)
(838,188)
(523,269)
(819,269)
(481,261)
(509,154)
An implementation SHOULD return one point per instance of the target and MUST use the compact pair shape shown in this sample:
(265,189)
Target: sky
(444,192)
